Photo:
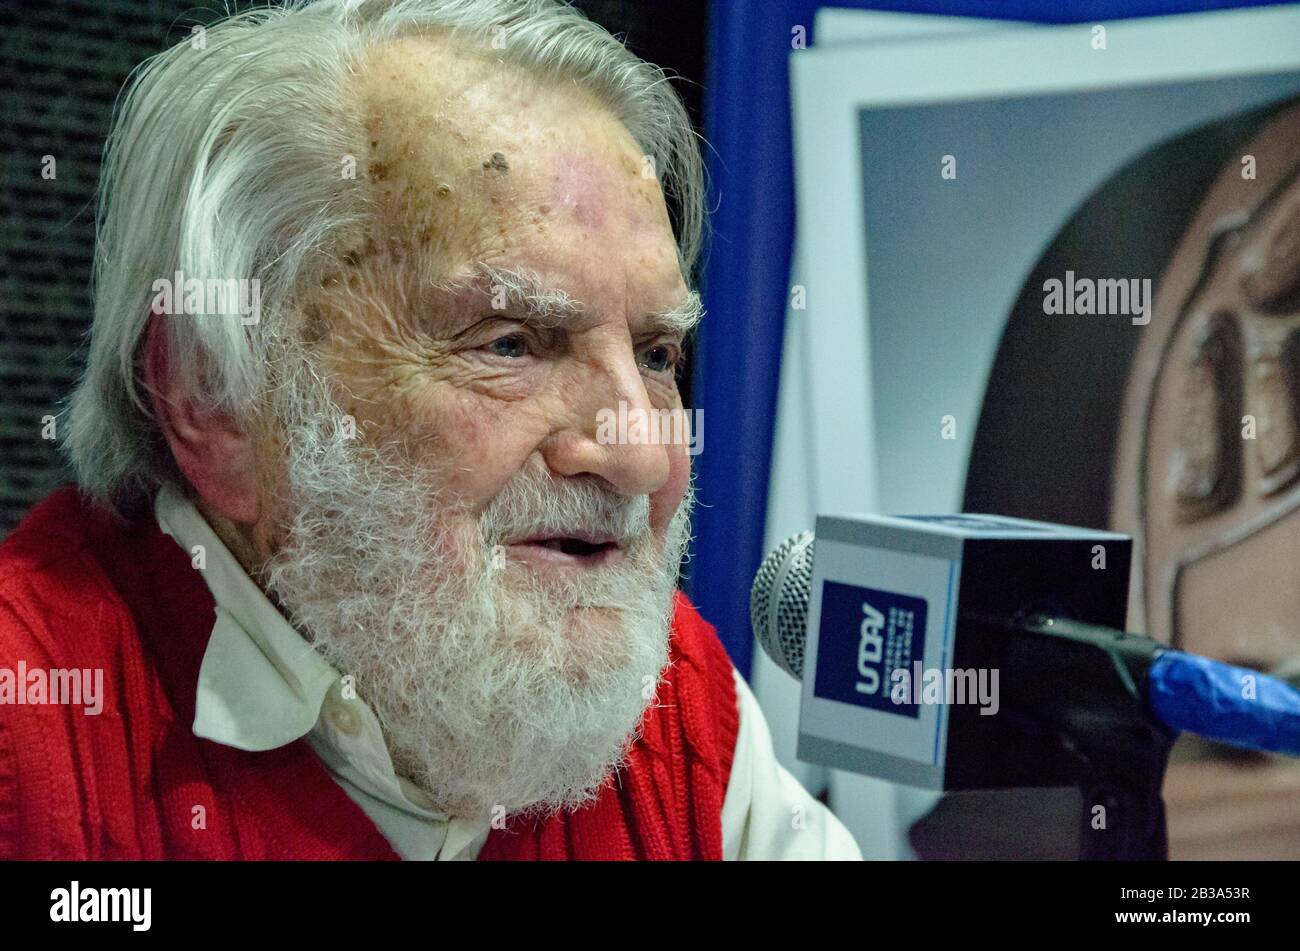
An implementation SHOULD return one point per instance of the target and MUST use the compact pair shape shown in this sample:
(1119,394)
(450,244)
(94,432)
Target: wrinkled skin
(469,161)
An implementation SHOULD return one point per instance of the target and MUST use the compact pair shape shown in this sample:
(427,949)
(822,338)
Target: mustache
(533,504)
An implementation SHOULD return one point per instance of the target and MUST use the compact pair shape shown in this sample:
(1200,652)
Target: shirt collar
(261,685)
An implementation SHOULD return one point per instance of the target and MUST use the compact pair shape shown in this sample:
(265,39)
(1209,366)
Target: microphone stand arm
(1072,695)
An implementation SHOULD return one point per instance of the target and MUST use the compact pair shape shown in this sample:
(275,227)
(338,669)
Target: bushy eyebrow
(551,307)
(681,319)
(519,290)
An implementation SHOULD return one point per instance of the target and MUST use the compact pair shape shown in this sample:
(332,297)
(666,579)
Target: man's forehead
(455,96)
(471,160)
(419,65)
(459,147)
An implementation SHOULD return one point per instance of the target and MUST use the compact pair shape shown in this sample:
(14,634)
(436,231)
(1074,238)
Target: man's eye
(514,345)
(660,359)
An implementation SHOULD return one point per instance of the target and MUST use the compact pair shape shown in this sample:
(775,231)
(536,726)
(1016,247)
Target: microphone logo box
(884,608)
(887,634)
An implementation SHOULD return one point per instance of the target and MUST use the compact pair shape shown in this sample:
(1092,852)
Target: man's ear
(211,450)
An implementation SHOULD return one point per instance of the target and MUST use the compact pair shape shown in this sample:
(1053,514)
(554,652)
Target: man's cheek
(472,432)
(668,499)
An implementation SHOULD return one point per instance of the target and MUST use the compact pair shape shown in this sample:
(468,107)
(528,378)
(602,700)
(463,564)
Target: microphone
(977,652)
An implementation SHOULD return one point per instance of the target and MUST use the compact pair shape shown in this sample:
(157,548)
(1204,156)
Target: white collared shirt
(262,686)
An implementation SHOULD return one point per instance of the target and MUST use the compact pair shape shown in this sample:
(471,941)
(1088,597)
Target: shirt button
(345,721)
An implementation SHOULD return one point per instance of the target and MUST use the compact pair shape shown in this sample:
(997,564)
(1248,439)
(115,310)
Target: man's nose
(611,431)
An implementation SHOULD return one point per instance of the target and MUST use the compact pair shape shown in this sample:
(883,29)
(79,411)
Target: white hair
(224,161)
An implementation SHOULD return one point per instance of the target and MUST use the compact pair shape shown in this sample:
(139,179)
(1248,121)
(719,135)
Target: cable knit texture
(80,589)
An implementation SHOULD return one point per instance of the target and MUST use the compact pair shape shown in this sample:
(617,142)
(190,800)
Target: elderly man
(361,574)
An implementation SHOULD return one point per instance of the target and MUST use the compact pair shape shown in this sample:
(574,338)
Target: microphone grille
(778,602)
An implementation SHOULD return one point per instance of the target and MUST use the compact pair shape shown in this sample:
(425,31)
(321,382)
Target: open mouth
(576,546)
(573,551)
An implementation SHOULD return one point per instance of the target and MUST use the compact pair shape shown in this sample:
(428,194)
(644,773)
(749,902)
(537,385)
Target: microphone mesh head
(778,602)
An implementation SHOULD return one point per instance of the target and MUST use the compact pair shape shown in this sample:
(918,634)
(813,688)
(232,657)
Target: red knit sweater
(80,589)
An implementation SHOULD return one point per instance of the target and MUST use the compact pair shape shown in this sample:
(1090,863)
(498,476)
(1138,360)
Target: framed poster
(1049,273)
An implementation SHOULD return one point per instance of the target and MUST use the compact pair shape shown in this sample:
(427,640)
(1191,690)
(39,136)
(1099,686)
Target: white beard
(496,691)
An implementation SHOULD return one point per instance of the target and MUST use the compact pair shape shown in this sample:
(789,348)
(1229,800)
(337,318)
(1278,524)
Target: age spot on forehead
(497,163)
